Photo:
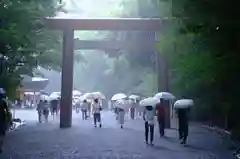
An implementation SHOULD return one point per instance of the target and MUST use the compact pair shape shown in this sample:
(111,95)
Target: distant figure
(116,110)
(138,108)
(161,117)
(54,107)
(148,117)
(96,113)
(132,109)
(40,110)
(183,123)
(45,110)
(78,106)
(89,109)
(84,108)
(4,111)
(121,115)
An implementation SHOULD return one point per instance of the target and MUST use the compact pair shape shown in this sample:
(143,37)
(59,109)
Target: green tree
(25,42)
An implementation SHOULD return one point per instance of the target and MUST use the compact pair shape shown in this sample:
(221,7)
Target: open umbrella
(76,93)
(150,101)
(122,103)
(88,96)
(118,96)
(183,103)
(99,95)
(135,97)
(56,94)
(44,97)
(165,95)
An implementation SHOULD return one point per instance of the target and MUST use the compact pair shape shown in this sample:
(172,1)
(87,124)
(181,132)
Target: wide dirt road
(83,141)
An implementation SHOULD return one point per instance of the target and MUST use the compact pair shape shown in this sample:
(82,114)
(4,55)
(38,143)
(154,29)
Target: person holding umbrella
(161,117)
(182,109)
(84,108)
(162,109)
(116,97)
(149,113)
(96,113)
(4,111)
(121,105)
(134,103)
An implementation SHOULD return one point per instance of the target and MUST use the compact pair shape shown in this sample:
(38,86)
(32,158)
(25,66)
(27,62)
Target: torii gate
(69,24)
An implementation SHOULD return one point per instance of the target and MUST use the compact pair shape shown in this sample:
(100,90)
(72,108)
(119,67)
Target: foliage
(25,42)
(208,69)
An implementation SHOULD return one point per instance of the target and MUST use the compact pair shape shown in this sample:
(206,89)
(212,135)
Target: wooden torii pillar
(69,24)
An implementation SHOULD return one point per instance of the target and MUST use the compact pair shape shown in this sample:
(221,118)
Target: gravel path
(83,141)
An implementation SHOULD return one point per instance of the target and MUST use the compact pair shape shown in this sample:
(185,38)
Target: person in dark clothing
(161,117)
(4,111)
(54,107)
(46,110)
(183,123)
(148,117)
(132,109)
(116,110)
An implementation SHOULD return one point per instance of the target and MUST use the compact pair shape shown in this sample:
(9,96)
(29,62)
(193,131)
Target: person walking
(4,111)
(40,110)
(148,117)
(138,108)
(84,108)
(161,117)
(45,110)
(121,116)
(89,109)
(132,109)
(54,107)
(96,108)
(78,106)
(183,124)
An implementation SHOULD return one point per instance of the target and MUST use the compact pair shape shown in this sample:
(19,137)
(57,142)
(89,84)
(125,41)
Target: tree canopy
(25,42)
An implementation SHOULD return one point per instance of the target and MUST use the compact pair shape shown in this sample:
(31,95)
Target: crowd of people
(94,107)
(45,107)
(147,113)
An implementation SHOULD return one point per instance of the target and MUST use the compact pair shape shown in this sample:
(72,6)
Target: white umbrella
(56,94)
(53,97)
(118,96)
(123,104)
(28,93)
(88,96)
(165,95)
(150,101)
(76,93)
(99,95)
(81,98)
(183,103)
(44,97)
(135,97)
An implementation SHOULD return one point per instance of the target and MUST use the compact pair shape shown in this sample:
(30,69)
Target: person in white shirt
(84,108)
(148,116)
(96,108)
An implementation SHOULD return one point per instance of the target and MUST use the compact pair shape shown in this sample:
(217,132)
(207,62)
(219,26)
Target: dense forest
(198,38)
